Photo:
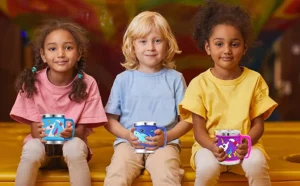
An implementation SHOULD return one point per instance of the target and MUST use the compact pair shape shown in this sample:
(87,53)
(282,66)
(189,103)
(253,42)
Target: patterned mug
(229,141)
(54,124)
(145,129)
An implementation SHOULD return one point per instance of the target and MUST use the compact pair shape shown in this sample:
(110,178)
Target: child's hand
(242,149)
(218,152)
(156,141)
(67,132)
(41,132)
(133,140)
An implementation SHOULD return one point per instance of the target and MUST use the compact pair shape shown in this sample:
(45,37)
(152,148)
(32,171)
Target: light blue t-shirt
(137,96)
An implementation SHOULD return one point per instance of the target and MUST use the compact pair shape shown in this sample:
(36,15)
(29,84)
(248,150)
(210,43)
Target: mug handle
(73,127)
(165,134)
(248,138)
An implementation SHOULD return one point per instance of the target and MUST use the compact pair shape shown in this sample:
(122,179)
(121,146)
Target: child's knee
(205,160)
(125,160)
(75,149)
(33,150)
(255,164)
(124,152)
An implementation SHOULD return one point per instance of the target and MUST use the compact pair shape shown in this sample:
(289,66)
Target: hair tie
(34,69)
(79,76)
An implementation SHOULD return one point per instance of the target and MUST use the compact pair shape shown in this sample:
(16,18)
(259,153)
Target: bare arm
(200,132)
(114,127)
(204,140)
(36,129)
(179,130)
(257,129)
(80,131)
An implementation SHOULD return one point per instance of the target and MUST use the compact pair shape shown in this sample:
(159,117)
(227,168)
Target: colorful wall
(106,20)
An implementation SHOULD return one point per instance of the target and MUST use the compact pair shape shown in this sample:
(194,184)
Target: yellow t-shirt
(227,104)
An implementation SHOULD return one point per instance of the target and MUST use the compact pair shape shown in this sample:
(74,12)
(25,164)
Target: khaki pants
(255,168)
(163,166)
(75,154)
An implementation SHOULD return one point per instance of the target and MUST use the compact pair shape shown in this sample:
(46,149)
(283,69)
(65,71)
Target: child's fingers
(133,138)
(132,130)
(151,143)
(42,135)
(66,134)
(219,150)
(40,125)
(215,140)
(243,147)
(69,124)
(138,147)
(152,148)
(240,156)
(244,141)
(68,129)
(241,153)
(40,130)
(158,131)
(222,157)
(151,138)
(136,144)
(43,141)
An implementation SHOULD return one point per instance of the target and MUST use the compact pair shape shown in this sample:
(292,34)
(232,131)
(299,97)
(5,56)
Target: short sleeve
(180,90)
(192,102)
(25,110)
(261,103)
(113,105)
(93,111)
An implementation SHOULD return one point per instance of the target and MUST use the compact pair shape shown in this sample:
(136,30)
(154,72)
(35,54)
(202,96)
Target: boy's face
(150,51)
(226,46)
(60,52)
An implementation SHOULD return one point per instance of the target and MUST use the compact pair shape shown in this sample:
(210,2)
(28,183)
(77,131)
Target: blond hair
(140,27)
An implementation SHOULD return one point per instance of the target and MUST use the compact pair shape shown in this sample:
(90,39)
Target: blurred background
(276,57)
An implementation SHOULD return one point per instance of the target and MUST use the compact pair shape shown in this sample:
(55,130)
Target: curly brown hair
(214,14)
(26,80)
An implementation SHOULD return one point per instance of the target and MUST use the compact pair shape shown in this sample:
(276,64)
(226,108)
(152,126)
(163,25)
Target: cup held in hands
(145,129)
(54,124)
(229,141)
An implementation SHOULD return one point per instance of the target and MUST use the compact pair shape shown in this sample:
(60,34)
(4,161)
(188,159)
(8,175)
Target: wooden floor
(281,141)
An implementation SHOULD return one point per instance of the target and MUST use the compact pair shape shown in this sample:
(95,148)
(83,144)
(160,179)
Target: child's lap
(205,158)
(125,152)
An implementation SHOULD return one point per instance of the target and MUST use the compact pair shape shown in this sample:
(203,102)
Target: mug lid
(47,115)
(59,115)
(227,132)
(144,123)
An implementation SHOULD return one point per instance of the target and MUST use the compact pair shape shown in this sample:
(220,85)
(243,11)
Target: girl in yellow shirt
(227,96)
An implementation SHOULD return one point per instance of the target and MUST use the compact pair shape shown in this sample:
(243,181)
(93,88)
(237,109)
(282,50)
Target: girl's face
(150,51)
(226,47)
(60,52)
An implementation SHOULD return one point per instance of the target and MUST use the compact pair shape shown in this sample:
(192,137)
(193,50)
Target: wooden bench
(281,141)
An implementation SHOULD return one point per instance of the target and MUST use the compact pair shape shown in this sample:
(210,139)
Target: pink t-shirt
(51,99)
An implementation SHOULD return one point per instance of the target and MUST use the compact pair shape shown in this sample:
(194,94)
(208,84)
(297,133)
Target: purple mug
(229,141)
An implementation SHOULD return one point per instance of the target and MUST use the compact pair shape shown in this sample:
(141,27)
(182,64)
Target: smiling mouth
(227,58)
(61,62)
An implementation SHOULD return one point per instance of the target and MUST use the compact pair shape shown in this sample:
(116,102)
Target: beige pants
(75,152)
(163,166)
(255,168)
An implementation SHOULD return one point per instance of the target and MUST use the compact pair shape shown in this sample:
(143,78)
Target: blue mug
(145,129)
(54,124)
